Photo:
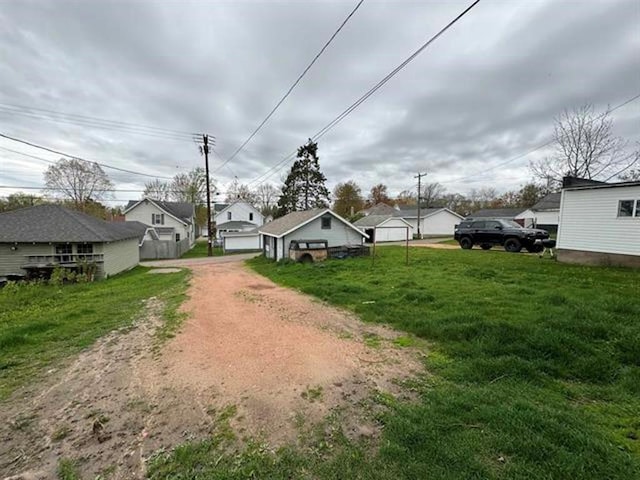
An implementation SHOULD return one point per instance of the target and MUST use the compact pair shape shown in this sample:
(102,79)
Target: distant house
(434,222)
(174,221)
(238,216)
(37,239)
(500,213)
(599,223)
(545,214)
(320,224)
(385,228)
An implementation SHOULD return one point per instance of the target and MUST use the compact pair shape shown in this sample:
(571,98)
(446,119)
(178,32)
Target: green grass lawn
(200,250)
(534,372)
(42,324)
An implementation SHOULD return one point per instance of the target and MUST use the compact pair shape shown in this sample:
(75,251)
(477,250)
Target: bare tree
(191,187)
(586,148)
(431,192)
(378,194)
(238,191)
(77,181)
(157,190)
(631,175)
(486,197)
(267,198)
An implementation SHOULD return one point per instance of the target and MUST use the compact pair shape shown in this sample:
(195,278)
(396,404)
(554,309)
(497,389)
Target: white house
(434,222)
(545,214)
(385,228)
(599,223)
(171,220)
(321,224)
(238,216)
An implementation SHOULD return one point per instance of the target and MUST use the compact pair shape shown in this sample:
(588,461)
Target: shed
(385,228)
(241,241)
(307,224)
(434,222)
(599,223)
(545,214)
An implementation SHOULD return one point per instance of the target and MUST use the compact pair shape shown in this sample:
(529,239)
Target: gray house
(42,237)
(307,225)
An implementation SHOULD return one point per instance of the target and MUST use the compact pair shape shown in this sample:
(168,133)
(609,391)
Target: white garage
(434,222)
(241,241)
(383,228)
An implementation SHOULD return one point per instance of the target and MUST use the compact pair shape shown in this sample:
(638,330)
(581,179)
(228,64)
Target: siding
(142,213)
(120,256)
(240,211)
(441,223)
(11,261)
(589,221)
(395,234)
(339,234)
(242,242)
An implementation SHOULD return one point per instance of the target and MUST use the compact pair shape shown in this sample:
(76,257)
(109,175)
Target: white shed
(434,222)
(385,228)
(305,225)
(599,223)
(241,241)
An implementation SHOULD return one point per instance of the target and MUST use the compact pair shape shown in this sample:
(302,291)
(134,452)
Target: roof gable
(244,205)
(181,211)
(293,221)
(549,202)
(54,223)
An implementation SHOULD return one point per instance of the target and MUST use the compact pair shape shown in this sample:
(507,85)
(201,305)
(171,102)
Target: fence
(162,249)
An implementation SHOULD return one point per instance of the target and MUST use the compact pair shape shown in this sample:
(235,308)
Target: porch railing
(63,259)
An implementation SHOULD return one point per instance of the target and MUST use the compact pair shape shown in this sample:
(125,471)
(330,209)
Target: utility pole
(419,177)
(205,150)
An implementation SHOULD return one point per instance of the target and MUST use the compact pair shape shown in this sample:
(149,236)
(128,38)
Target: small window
(157,218)
(492,225)
(85,248)
(177,237)
(637,208)
(251,216)
(64,249)
(326,223)
(478,225)
(228,215)
(625,208)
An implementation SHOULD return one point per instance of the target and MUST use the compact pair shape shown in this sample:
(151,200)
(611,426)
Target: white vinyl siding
(120,256)
(589,221)
(239,211)
(233,242)
(339,234)
(392,230)
(145,212)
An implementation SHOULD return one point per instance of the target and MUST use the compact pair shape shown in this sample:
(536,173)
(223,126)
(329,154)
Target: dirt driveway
(270,356)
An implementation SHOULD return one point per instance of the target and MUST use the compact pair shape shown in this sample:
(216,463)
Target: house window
(228,215)
(326,223)
(84,248)
(637,208)
(63,253)
(625,208)
(177,237)
(251,216)
(157,219)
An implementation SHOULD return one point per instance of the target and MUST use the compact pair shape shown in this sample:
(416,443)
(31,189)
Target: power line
(80,158)
(543,145)
(141,128)
(372,90)
(324,47)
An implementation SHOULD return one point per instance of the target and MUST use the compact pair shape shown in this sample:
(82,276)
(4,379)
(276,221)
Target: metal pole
(407,230)
(205,148)
(419,177)
(373,256)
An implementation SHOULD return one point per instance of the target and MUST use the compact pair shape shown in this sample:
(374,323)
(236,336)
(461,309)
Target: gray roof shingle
(54,223)
(413,212)
(508,213)
(282,225)
(379,209)
(233,224)
(372,220)
(550,202)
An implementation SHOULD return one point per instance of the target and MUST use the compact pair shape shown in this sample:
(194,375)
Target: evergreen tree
(304,187)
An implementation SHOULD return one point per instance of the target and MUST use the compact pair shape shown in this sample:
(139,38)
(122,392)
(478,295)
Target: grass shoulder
(41,325)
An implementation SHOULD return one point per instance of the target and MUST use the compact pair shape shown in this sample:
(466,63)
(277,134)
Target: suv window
(478,225)
(492,225)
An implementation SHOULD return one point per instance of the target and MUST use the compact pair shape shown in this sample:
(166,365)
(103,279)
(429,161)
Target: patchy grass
(43,324)
(200,250)
(68,469)
(535,367)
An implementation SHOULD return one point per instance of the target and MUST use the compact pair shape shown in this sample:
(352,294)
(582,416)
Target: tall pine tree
(304,187)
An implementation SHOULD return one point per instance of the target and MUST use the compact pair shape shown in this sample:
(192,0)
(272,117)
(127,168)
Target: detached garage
(241,241)
(385,228)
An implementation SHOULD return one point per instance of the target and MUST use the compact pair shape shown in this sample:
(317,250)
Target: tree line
(584,146)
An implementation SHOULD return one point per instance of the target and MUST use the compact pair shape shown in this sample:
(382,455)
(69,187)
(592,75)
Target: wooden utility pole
(419,177)
(205,150)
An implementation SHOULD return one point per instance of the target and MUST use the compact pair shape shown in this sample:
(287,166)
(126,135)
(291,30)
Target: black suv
(490,232)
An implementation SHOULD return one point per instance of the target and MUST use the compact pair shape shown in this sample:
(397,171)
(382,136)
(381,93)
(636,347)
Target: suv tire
(486,246)
(466,243)
(512,245)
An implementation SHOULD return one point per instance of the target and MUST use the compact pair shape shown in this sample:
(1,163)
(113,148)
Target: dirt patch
(275,357)
(164,270)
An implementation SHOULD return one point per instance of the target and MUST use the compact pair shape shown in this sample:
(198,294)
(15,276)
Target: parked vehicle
(308,251)
(490,232)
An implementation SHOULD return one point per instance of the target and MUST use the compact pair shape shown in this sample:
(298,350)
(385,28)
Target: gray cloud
(485,92)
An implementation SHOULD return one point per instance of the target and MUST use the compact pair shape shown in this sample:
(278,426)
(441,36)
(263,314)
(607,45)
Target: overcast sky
(482,94)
